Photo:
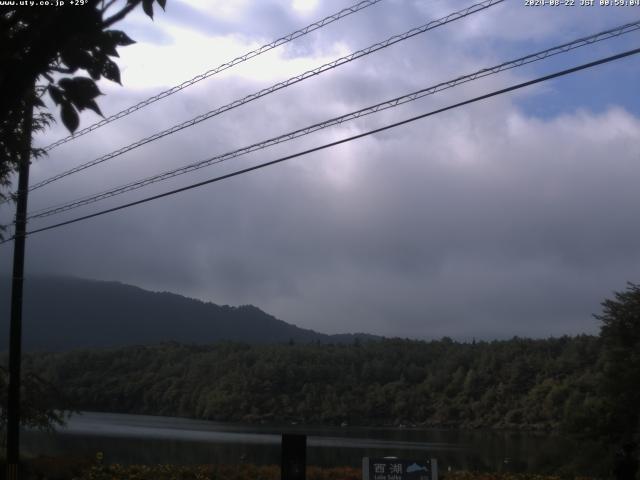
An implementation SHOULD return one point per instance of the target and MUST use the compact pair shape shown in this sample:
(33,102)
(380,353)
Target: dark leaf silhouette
(119,37)
(92,105)
(95,71)
(56,94)
(80,90)
(38,45)
(69,116)
(76,58)
(111,71)
(147,6)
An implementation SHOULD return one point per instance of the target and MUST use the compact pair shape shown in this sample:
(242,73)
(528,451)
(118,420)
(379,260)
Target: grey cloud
(412,246)
(182,14)
(481,222)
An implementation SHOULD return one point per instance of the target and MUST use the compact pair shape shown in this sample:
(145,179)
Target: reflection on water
(147,439)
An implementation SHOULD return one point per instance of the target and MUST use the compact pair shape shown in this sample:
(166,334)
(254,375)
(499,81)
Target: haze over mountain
(63,313)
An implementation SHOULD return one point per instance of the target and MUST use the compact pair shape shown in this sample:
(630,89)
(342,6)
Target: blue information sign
(390,468)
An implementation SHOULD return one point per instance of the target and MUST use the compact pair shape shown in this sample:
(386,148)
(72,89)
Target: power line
(338,142)
(278,86)
(243,58)
(534,57)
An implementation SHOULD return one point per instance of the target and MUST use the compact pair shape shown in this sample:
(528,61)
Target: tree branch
(120,15)
(62,70)
(107,6)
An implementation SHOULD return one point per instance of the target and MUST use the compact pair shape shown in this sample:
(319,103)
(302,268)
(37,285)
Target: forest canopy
(520,383)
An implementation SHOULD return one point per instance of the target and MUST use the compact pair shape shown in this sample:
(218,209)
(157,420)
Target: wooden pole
(293,465)
(15,328)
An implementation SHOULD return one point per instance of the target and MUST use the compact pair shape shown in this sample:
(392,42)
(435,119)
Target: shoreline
(297,424)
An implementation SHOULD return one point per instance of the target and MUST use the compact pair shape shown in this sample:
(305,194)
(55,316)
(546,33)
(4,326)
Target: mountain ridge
(64,313)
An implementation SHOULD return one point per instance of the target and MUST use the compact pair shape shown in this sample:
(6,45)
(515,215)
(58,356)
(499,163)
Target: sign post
(390,468)
(294,457)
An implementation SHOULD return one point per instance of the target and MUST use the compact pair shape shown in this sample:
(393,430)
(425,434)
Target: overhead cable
(278,86)
(534,57)
(338,142)
(225,66)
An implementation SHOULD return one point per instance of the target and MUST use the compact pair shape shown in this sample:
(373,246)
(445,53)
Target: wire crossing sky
(505,217)
(392,103)
(242,58)
(339,142)
(460,14)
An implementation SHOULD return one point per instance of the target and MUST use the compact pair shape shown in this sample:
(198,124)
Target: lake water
(148,439)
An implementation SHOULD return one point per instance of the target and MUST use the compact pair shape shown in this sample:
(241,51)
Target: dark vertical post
(15,329)
(294,457)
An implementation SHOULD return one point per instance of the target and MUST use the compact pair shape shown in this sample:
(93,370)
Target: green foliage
(50,45)
(86,469)
(534,384)
(212,472)
(36,407)
(619,386)
(583,385)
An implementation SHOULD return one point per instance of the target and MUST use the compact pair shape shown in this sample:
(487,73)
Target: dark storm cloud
(415,244)
(484,222)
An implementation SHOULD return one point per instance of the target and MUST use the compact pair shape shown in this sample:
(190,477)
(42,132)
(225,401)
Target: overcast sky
(517,215)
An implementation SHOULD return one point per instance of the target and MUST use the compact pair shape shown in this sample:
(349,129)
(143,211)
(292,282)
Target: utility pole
(15,328)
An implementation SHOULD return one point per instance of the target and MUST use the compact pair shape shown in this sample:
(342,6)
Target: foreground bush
(85,468)
(210,472)
(269,472)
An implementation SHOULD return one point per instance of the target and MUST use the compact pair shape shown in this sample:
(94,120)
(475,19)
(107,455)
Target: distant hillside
(63,313)
(518,383)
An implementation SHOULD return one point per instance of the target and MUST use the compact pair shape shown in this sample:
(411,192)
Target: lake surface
(148,439)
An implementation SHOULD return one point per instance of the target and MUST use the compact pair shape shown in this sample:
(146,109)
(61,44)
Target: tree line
(584,385)
(517,383)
